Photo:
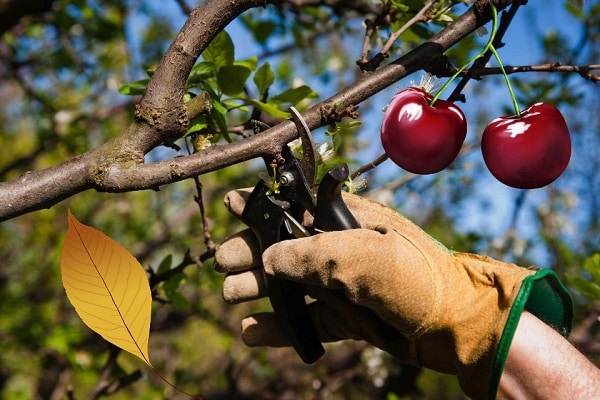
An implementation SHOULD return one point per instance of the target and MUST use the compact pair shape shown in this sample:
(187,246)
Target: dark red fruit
(420,138)
(529,151)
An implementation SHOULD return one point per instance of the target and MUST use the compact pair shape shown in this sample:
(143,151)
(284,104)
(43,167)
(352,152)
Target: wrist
(545,297)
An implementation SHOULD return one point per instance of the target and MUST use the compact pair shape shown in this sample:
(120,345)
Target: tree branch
(586,71)
(117,166)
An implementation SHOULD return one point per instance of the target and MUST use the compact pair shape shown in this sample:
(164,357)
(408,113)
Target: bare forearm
(541,364)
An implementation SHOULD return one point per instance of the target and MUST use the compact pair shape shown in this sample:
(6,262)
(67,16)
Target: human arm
(542,364)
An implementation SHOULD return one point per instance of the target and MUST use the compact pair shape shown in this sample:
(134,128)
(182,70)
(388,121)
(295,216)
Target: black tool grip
(331,213)
(265,216)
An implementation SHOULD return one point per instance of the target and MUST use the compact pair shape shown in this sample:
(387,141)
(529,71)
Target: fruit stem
(487,47)
(510,89)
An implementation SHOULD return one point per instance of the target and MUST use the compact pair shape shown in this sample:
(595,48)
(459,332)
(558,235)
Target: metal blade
(309,149)
(294,227)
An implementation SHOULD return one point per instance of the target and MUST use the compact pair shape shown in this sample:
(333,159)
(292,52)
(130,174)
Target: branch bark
(118,165)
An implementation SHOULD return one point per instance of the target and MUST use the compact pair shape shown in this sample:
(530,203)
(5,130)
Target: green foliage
(225,79)
(263,79)
(588,282)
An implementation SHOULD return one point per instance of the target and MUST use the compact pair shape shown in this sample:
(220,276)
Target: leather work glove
(391,284)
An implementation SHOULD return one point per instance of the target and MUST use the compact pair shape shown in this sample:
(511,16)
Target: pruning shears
(275,212)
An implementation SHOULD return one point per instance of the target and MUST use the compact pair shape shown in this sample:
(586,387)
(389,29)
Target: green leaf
(178,301)
(220,51)
(219,111)
(135,88)
(172,287)
(232,78)
(263,30)
(592,265)
(165,265)
(585,287)
(197,124)
(249,63)
(200,72)
(588,288)
(269,108)
(399,6)
(263,79)
(294,95)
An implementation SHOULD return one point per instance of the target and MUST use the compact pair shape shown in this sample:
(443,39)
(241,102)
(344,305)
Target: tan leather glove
(392,285)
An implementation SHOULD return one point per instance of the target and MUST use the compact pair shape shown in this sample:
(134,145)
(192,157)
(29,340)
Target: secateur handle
(331,213)
(265,216)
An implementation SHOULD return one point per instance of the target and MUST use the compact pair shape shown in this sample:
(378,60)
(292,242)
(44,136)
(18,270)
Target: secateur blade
(296,176)
(309,159)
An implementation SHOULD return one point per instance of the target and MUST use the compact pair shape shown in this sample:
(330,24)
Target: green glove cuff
(543,295)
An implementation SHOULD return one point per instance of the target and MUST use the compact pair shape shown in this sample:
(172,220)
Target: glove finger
(380,269)
(235,200)
(244,286)
(326,259)
(264,329)
(334,322)
(238,252)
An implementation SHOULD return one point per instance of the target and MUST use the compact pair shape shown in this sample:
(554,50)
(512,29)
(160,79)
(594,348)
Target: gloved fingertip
(245,286)
(263,330)
(235,200)
(279,256)
(239,252)
(305,260)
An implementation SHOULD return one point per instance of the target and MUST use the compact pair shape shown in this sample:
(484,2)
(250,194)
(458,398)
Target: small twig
(208,242)
(106,385)
(421,16)
(187,10)
(366,46)
(372,24)
(369,166)
(404,179)
(584,70)
(156,279)
(393,185)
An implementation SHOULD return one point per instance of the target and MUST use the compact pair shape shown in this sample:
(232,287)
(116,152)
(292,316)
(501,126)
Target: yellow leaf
(108,288)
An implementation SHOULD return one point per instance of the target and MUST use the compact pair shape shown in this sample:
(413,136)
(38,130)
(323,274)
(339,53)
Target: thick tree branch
(42,189)
(118,165)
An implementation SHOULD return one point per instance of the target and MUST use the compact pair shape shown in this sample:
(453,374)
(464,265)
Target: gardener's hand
(392,285)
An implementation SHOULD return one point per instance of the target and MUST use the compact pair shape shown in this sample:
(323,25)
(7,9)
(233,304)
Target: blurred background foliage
(60,75)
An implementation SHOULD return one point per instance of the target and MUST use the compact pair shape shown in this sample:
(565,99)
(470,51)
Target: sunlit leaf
(264,78)
(270,108)
(294,95)
(200,72)
(135,88)
(220,51)
(588,287)
(108,288)
(165,265)
(232,78)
